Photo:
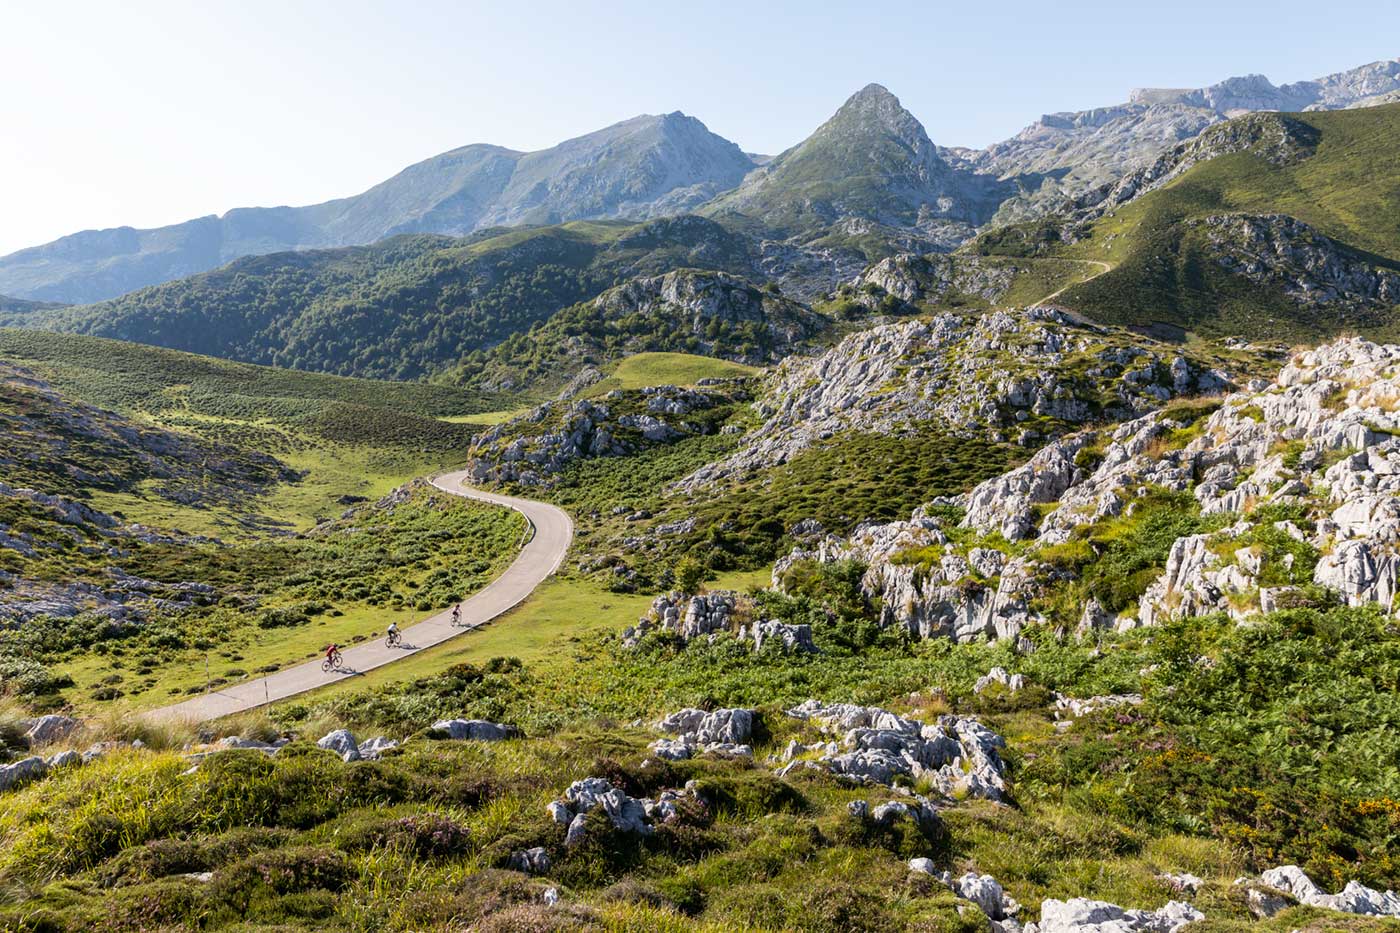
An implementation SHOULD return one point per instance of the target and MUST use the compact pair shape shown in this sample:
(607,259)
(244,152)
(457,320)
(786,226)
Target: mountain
(870,164)
(1274,226)
(640,168)
(1062,155)
(404,307)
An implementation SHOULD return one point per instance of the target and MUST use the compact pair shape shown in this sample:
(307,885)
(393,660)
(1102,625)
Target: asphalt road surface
(538,560)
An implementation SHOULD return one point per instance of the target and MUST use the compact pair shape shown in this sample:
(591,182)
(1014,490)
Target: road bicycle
(394,639)
(331,663)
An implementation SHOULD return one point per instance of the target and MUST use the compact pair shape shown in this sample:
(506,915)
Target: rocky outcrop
(967,375)
(1081,915)
(958,756)
(722,732)
(791,639)
(695,302)
(911,279)
(534,448)
(686,616)
(1321,439)
(626,813)
(983,594)
(342,742)
(1355,898)
(998,677)
(1313,270)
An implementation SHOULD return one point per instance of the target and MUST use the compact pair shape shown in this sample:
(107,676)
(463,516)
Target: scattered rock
(479,730)
(342,742)
(22,771)
(998,675)
(1081,915)
(958,755)
(1355,898)
(50,728)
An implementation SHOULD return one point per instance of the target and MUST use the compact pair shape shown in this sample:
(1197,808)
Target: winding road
(551,531)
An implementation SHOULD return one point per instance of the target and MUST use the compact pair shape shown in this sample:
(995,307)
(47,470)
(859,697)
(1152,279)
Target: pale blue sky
(147,113)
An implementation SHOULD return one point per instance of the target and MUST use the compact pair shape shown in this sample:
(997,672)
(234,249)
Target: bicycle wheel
(326,665)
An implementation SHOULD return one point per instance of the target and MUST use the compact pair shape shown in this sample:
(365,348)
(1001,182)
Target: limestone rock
(478,730)
(1081,915)
(342,742)
(50,728)
(22,771)
(958,755)
(723,731)
(1355,898)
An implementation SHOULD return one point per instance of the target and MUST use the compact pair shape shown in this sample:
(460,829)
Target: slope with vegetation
(405,307)
(712,314)
(1282,226)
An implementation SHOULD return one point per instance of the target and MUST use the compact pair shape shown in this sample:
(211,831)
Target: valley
(880,536)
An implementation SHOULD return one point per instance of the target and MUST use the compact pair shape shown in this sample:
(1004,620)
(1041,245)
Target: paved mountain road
(537,561)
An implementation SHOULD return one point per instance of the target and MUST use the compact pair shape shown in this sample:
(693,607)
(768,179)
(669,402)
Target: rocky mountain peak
(874,109)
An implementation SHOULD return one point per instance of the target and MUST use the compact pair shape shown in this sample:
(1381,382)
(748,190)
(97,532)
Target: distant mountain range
(644,167)
(868,181)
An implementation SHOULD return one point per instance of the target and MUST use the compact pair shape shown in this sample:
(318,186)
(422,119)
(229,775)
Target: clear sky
(146,113)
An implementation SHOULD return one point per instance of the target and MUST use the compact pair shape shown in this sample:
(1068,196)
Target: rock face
(983,595)
(1355,898)
(695,304)
(1314,271)
(1064,157)
(910,279)
(958,755)
(723,731)
(982,375)
(1081,915)
(534,448)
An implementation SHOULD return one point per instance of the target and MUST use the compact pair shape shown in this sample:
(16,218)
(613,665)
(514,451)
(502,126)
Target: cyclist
(457,614)
(393,633)
(333,655)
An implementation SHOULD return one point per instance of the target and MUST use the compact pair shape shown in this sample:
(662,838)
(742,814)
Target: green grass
(1164,271)
(744,524)
(278,601)
(653,369)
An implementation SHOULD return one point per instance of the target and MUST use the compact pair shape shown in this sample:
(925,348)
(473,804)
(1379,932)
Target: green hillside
(689,311)
(400,309)
(1170,247)
(340,436)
